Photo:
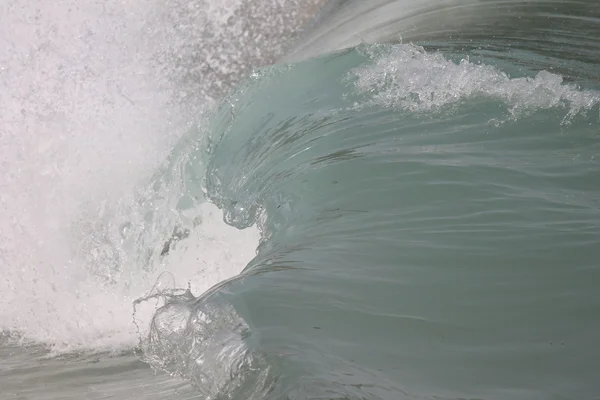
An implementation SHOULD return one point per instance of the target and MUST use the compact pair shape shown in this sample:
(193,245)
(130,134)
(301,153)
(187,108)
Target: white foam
(82,118)
(93,95)
(408,78)
(69,308)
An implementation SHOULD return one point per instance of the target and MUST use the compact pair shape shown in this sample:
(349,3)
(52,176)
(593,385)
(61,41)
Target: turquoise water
(425,181)
(428,228)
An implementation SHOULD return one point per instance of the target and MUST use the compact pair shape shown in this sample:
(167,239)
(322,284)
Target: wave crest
(408,78)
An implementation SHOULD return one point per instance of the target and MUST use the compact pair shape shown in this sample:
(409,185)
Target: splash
(94,96)
(204,340)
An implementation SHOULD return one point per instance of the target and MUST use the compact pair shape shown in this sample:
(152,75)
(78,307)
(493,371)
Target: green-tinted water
(430,228)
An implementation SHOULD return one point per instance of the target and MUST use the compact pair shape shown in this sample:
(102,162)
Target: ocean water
(300,200)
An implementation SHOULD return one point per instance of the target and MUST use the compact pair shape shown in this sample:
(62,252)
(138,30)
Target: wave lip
(408,78)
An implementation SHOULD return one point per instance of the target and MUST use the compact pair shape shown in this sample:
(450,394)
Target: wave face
(429,213)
